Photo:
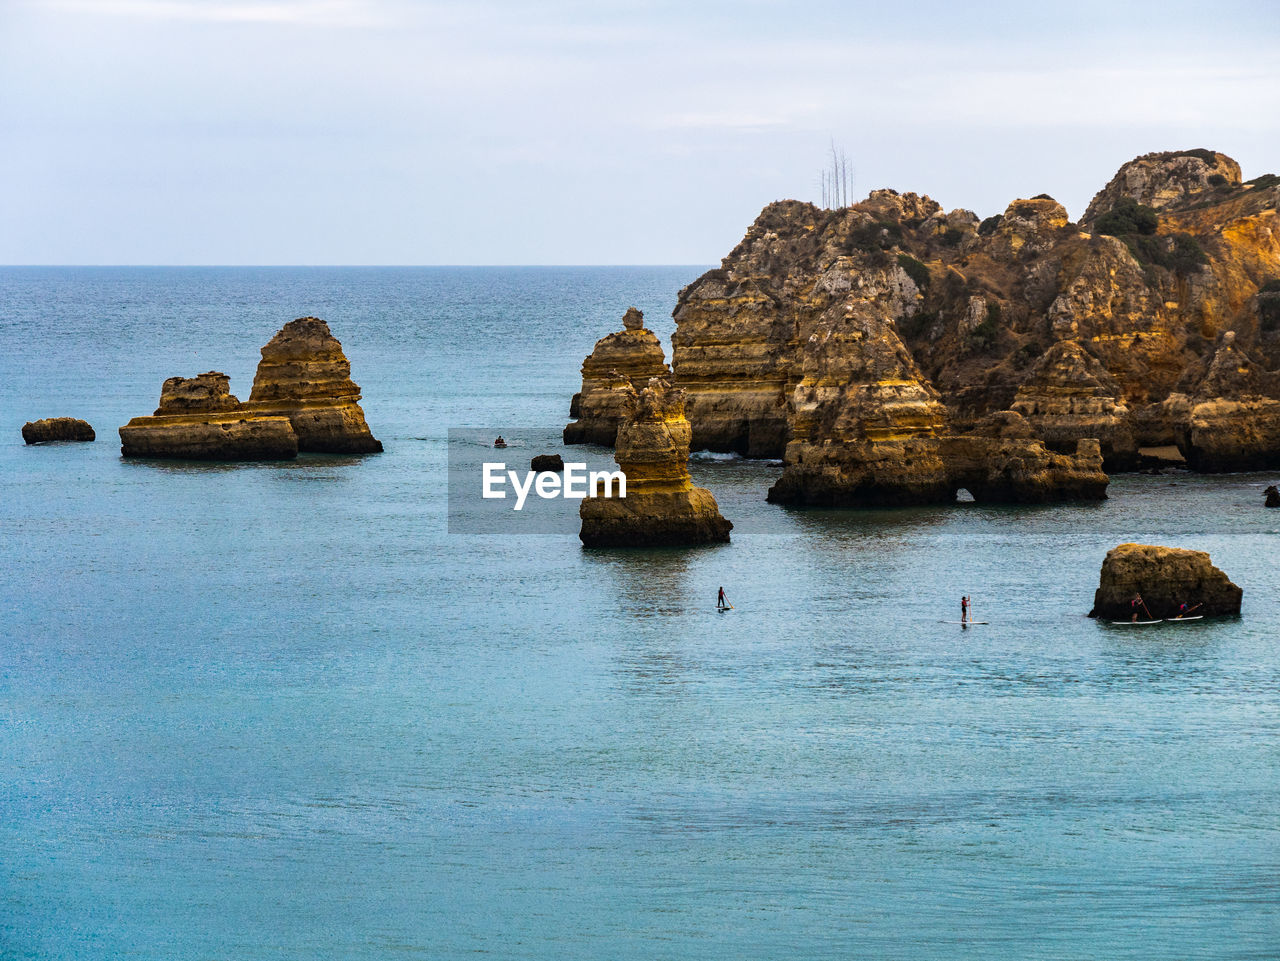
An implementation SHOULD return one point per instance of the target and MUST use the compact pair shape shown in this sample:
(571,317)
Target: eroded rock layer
(303,399)
(1164,578)
(621,363)
(305,376)
(1068,395)
(1085,329)
(661,506)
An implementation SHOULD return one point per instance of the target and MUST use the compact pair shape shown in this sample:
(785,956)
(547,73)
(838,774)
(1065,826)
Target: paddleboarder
(964,608)
(722,602)
(1183,609)
(1136,603)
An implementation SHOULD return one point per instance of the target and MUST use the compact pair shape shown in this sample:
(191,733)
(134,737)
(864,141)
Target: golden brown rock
(620,362)
(976,308)
(231,436)
(1003,462)
(56,429)
(303,399)
(1068,396)
(305,376)
(1233,421)
(207,393)
(1165,578)
(661,506)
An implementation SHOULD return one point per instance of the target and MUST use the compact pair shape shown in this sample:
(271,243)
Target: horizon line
(328,266)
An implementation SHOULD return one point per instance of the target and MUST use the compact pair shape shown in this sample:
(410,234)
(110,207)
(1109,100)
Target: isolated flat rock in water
(56,429)
(547,462)
(1165,577)
(303,400)
(621,361)
(788,336)
(662,507)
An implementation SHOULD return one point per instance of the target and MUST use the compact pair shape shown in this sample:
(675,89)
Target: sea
(284,711)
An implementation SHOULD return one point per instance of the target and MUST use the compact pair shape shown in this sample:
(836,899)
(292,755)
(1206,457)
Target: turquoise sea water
(277,711)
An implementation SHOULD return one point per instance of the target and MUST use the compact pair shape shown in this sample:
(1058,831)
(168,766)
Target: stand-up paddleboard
(964,622)
(1139,623)
(1175,620)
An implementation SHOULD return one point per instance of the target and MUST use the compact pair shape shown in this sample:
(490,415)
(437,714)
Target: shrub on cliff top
(983,337)
(876,235)
(1128,217)
(1180,253)
(989,225)
(1208,156)
(1263,182)
(915,270)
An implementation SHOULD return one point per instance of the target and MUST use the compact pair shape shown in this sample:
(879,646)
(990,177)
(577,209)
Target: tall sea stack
(662,507)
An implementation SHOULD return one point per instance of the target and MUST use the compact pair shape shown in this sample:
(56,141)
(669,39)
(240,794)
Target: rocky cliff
(661,506)
(621,363)
(892,320)
(303,399)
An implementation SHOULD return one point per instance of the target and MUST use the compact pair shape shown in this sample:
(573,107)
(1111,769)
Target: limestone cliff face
(620,362)
(662,507)
(1232,420)
(305,376)
(1165,578)
(774,342)
(1068,395)
(303,399)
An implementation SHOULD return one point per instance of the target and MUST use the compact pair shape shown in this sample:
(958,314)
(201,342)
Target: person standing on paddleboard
(964,608)
(1134,605)
(721,603)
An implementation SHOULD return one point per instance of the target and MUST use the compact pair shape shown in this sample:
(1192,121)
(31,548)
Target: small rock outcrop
(56,429)
(303,400)
(621,361)
(547,462)
(1273,496)
(1001,461)
(1165,578)
(662,507)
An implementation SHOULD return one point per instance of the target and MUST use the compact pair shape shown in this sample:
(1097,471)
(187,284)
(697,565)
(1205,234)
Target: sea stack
(303,400)
(622,361)
(56,429)
(305,376)
(1165,578)
(661,507)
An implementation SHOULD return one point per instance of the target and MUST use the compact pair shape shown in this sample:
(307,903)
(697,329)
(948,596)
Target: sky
(567,132)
